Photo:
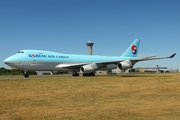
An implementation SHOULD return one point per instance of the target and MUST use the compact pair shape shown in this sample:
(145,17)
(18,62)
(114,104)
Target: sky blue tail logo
(132,50)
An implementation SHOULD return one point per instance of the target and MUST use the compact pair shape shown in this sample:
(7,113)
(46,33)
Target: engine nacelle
(124,65)
(87,69)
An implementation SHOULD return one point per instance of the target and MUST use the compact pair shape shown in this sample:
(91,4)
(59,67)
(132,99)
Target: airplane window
(20,52)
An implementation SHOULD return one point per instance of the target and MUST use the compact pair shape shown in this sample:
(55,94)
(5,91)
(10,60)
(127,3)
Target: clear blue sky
(66,25)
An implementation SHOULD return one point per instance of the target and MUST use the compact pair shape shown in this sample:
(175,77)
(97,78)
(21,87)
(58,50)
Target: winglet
(172,55)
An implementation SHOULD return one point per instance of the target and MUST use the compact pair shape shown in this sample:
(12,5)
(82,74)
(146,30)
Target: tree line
(4,71)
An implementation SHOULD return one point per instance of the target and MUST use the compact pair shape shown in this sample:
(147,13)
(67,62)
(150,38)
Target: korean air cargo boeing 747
(39,60)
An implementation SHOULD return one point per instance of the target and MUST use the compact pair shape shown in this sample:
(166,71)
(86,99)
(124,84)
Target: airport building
(150,69)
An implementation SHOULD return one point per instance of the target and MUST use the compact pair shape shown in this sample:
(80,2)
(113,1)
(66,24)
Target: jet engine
(124,65)
(86,69)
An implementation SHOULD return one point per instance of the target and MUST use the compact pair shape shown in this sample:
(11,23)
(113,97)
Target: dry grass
(126,97)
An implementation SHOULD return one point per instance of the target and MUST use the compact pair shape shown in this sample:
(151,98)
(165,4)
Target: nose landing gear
(26,75)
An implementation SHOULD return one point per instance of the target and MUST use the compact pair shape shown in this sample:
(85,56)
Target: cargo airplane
(39,60)
(162,69)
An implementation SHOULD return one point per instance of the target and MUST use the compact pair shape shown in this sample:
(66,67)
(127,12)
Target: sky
(112,25)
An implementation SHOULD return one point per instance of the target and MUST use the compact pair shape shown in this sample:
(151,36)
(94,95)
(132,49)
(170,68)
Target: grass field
(125,97)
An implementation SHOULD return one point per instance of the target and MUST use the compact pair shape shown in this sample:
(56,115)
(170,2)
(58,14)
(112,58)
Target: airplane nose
(7,61)
(14,59)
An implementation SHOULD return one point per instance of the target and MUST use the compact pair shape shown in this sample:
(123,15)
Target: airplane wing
(154,58)
(99,65)
(126,64)
(137,59)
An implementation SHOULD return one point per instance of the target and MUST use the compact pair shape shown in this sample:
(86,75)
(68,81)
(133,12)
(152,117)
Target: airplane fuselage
(51,61)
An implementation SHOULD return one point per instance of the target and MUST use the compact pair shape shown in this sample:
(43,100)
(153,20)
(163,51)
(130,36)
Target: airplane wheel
(89,74)
(75,74)
(92,74)
(26,75)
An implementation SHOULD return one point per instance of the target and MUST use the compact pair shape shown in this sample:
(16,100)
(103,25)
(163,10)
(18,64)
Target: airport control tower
(89,45)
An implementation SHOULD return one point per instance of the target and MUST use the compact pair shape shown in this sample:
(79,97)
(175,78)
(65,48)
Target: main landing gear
(26,75)
(75,74)
(89,74)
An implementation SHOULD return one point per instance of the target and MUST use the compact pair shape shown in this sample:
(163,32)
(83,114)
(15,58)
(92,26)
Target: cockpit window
(20,52)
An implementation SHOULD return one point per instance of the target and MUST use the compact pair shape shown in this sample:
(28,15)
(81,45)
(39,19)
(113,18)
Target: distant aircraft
(162,69)
(39,60)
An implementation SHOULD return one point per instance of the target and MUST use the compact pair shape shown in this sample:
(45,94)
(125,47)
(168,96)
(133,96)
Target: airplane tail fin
(158,67)
(132,49)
